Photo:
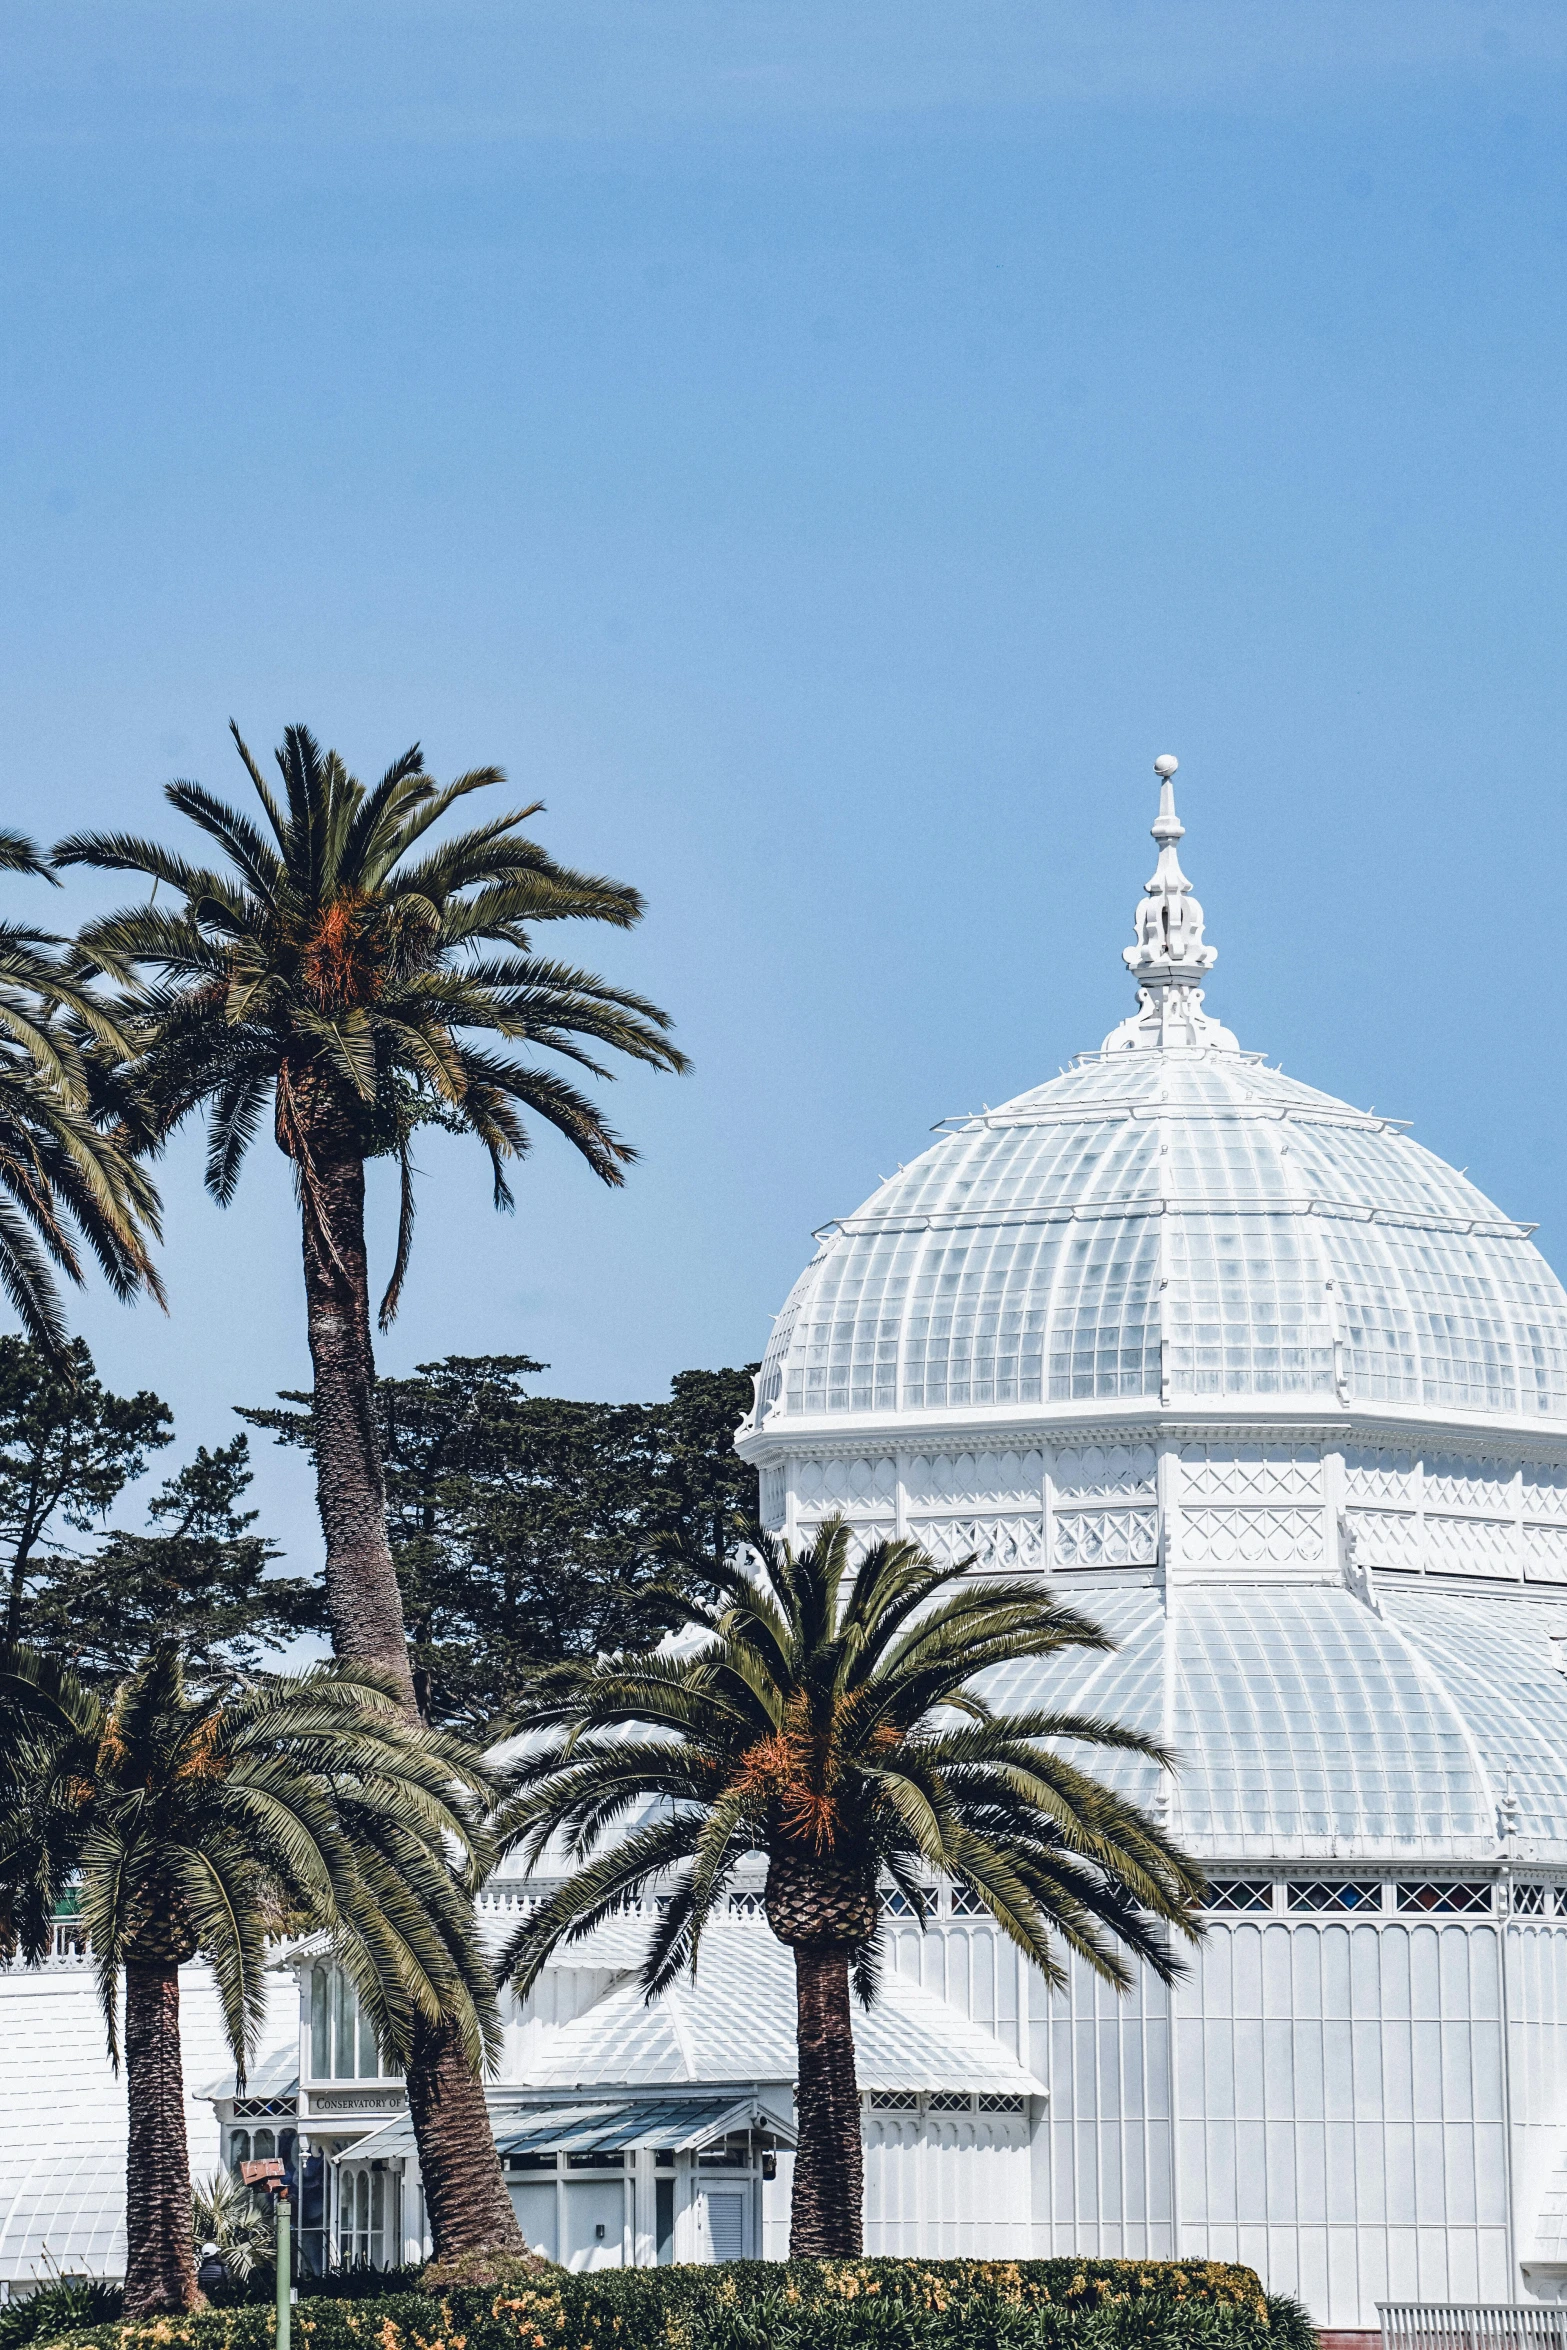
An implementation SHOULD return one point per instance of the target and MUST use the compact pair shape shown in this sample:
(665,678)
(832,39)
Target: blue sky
(824,450)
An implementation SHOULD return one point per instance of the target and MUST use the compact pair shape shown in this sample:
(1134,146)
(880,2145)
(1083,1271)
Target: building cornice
(1276,1418)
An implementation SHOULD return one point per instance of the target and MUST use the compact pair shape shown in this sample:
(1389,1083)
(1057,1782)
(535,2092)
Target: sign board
(258,2174)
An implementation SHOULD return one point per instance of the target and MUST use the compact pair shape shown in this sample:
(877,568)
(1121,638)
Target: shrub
(751,2305)
(57,2309)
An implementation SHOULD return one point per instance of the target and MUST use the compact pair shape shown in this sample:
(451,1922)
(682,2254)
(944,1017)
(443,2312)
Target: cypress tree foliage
(68,1449)
(199,1577)
(528,1530)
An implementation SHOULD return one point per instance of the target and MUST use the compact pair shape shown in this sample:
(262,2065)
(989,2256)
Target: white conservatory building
(1281,1400)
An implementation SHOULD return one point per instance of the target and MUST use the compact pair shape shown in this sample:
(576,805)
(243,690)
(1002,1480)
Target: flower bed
(770,2305)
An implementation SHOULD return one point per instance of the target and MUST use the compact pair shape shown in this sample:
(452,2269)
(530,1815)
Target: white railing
(1473,2325)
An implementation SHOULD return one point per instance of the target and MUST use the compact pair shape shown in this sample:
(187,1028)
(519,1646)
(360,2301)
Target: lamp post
(285,2269)
(277,2181)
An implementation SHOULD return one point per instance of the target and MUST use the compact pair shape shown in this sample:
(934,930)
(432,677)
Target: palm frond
(836,1720)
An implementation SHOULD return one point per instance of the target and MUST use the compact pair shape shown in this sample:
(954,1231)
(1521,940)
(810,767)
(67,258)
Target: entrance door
(724,2211)
(595,2223)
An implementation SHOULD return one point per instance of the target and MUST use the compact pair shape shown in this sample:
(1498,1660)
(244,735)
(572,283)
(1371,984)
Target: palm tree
(68,1181)
(190,1822)
(238,2219)
(834,1721)
(351,984)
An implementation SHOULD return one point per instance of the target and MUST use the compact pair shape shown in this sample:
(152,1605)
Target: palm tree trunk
(362,1597)
(465,2194)
(825,2218)
(160,2267)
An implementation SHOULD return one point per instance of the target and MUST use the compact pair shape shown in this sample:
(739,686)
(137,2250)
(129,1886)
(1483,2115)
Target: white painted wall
(941,2185)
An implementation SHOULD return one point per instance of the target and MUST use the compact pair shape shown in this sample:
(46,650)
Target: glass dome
(1171,1219)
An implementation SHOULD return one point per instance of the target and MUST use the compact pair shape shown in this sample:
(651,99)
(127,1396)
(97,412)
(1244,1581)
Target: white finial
(1169,956)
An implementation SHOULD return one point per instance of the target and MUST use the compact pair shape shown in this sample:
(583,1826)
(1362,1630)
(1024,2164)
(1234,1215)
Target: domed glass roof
(1169,1219)
(1304,1720)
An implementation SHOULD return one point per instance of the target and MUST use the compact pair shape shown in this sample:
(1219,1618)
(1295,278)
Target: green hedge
(771,2305)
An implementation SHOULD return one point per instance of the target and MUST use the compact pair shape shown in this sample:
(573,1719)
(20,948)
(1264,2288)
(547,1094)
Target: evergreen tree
(530,1530)
(68,1449)
(199,1577)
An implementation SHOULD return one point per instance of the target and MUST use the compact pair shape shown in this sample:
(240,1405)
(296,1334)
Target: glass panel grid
(1324,1893)
(1239,1893)
(996,1269)
(1312,1719)
(1437,1893)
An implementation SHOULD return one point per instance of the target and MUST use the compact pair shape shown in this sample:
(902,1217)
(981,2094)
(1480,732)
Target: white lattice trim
(1372,1474)
(1545,1493)
(848,1485)
(1091,1472)
(1252,1537)
(1545,1553)
(1385,1538)
(1471,1546)
(976,1477)
(1004,1544)
(1252,1472)
(1106,1538)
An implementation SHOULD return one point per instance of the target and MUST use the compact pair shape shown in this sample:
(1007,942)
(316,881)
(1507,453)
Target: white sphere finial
(1165,765)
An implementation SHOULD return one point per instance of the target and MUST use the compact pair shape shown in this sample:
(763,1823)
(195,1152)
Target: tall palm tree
(352,979)
(834,1720)
(68,1180)
(193,1822)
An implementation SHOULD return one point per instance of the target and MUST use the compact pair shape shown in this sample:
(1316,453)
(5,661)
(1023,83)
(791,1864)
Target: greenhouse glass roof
(1171,1215)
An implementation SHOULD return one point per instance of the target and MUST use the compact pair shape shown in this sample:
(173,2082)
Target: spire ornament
(1169,958)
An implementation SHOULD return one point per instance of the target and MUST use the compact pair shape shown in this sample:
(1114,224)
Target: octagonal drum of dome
(1281,1400)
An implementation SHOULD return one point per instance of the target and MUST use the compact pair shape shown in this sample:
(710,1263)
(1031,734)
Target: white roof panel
(735,2022)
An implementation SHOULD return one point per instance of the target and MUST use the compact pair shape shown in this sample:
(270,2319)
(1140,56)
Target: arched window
(366,2215)
(239,2149)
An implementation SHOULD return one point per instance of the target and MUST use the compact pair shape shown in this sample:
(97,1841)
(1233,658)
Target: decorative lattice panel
(1255,1537)
(1251,1472)
(1093,1472)
(1470,1546)
(976,1477)
(1385,1538)
(1106,1538)
(1003,1544)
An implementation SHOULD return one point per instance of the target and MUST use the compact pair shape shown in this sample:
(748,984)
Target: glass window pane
(346,2003)
(320,2034)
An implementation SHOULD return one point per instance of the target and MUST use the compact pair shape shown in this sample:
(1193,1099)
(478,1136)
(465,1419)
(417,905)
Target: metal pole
(285,2268)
